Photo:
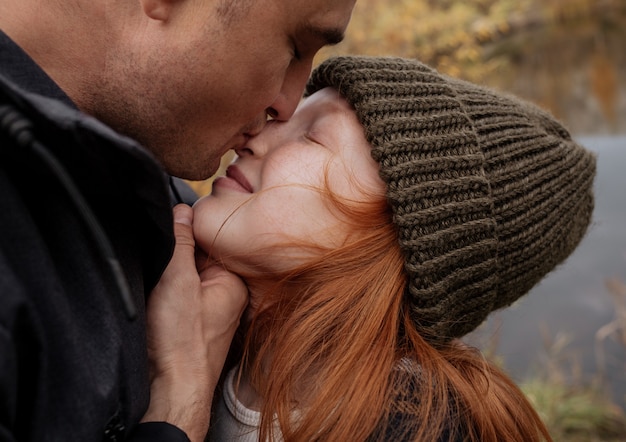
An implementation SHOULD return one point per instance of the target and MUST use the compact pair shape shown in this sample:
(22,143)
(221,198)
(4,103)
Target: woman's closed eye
(313,136)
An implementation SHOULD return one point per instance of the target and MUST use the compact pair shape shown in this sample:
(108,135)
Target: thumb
(183,214)
(183,257)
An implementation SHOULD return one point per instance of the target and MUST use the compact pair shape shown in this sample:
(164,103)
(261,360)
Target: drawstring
(20,129)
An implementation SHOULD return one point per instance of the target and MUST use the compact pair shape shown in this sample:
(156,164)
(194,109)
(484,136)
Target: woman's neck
(246,393)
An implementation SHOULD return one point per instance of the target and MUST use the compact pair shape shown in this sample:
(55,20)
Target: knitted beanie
(489,193)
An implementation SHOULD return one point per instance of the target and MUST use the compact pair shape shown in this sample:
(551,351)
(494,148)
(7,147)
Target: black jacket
(85,232)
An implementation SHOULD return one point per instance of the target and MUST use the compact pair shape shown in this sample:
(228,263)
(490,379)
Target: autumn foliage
(565,55)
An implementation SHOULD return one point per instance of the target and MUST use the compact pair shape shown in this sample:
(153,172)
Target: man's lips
(235,174)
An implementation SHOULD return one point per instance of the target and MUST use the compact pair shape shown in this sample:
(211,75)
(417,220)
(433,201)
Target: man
(86,215)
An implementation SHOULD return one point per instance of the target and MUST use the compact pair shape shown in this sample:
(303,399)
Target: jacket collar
(21,70)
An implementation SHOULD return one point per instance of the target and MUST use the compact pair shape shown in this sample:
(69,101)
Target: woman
(385,220)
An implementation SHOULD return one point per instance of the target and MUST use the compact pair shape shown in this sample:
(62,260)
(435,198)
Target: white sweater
(232,421)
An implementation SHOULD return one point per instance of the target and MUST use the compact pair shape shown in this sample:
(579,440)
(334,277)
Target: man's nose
(257,125)
(253,146)
(290,94)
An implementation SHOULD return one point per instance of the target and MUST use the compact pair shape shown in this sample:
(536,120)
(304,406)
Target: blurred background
(565,342)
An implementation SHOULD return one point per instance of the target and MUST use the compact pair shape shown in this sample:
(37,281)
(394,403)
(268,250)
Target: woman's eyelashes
(314,135)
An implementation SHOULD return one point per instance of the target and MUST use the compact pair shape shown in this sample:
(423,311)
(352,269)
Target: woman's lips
(236,175)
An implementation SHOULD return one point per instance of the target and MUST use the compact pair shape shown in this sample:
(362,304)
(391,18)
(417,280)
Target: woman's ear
(159,10)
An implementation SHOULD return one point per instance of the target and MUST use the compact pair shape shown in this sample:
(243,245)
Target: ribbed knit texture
(489,192)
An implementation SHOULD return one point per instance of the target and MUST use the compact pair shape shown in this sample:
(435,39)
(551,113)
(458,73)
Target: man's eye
(296,53)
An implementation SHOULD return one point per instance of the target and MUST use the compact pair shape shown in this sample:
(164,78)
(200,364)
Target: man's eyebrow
(330,36)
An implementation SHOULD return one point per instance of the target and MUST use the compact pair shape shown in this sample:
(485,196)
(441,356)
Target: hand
(191,320)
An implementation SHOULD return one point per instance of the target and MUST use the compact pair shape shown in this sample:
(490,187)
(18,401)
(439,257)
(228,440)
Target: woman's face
(271,194)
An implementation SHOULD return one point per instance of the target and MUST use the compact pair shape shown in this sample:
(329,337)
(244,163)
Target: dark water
(573,302)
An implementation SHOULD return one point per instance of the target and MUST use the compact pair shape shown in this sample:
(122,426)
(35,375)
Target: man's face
(200,83)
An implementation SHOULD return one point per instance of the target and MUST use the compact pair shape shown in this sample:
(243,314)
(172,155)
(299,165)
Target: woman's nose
(259,143)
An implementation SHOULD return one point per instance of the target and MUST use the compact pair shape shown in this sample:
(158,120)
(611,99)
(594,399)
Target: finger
(226,292)
(183,257)
(212,271)
(183,213)
(216,275)
(202,259)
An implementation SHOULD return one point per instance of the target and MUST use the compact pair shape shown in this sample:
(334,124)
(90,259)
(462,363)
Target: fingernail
(183,214)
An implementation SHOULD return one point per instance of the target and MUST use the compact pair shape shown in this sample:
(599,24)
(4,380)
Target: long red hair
(334,354)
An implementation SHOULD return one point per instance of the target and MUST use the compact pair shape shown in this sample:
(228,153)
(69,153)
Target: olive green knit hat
(489,193)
